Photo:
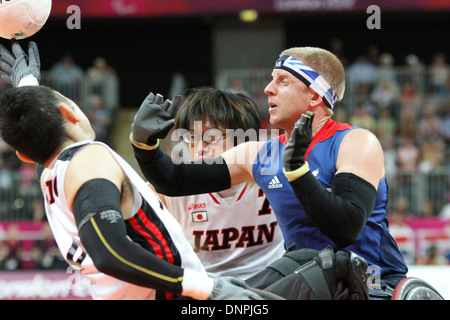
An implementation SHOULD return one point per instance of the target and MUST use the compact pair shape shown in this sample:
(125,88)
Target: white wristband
(28,80)
(196,285)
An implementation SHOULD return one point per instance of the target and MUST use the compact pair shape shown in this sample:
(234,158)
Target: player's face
(207,141)
(288,99)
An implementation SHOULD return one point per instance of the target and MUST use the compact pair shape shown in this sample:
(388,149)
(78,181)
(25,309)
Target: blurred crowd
(36,251)
(405,103)
(407,106)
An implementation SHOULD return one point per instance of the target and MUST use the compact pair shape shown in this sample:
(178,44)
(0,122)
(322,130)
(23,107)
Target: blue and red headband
(309,77)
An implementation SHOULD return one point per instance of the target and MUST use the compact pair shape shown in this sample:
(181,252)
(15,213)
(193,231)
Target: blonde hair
(324,63)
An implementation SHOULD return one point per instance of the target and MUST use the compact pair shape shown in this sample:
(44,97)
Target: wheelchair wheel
(415,289)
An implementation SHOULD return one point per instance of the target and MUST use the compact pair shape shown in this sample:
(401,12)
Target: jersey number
(266,205)
(51,190)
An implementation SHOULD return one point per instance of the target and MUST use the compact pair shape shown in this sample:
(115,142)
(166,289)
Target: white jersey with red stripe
(162,232)
(234,236)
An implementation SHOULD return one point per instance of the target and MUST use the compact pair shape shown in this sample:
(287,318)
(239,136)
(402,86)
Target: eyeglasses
(209,137)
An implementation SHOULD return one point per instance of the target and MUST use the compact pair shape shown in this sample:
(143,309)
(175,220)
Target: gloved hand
(294,154)
(154,119)
(229,288)
(19,69)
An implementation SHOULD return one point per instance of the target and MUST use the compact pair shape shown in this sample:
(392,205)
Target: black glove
(229,288)
(17,65)
(301,136)
(154,119)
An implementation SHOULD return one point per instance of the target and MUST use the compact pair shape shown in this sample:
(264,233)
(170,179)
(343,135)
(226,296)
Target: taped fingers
(158,99)
(166,105)
(305,121)
(174,105)
(150,98)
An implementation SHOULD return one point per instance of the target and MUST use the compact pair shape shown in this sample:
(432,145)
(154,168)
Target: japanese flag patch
(199,216)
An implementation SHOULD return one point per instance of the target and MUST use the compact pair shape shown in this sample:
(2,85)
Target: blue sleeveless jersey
(375,244)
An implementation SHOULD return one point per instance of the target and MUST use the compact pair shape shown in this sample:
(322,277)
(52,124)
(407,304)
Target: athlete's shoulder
(361,137)
(369,162)
(93,161)
(92,155)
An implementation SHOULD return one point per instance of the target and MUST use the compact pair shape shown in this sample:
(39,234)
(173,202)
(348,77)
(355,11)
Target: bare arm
(240,160)
(360,153)
(91,162)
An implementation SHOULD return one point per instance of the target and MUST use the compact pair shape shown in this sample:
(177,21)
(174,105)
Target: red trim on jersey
(242,192)
(214,198)
(282,138)
(157,233)
(328,130)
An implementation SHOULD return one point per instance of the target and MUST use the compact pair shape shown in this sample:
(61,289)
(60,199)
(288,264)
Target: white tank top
(235,236)
(62,223)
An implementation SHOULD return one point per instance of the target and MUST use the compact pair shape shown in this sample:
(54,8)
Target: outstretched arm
(173,179)
(152,122)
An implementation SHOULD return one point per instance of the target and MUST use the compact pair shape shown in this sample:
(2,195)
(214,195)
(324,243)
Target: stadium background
(162,46)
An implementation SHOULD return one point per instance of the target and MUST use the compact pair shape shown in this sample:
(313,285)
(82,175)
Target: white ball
(21,19)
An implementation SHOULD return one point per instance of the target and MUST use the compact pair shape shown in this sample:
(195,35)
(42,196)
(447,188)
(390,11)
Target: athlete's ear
(24,158)
(68,113)
(316,99)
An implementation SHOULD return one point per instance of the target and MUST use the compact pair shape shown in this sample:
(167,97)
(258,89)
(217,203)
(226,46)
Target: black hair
(30,121)
(222,108)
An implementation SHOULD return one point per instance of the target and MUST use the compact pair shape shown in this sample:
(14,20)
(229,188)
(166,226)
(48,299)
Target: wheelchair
(309,274)
(410,288)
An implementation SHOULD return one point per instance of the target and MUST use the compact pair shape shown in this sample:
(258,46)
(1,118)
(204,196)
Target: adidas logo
(275,183)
